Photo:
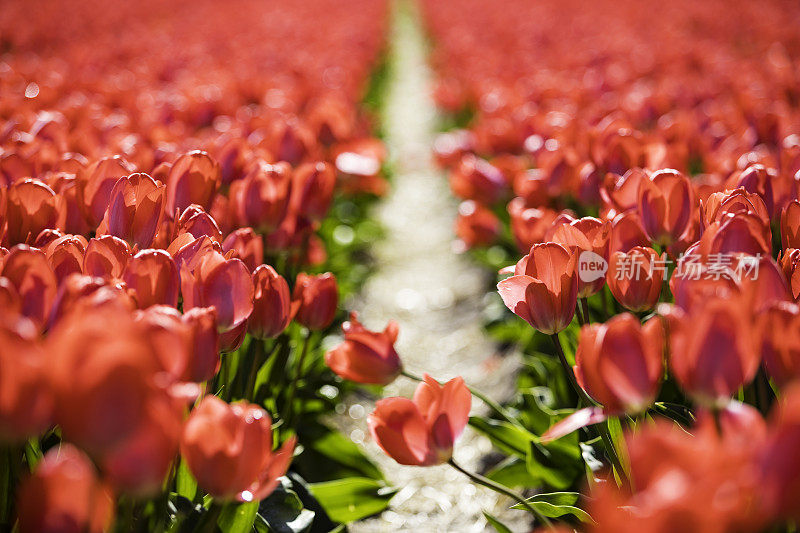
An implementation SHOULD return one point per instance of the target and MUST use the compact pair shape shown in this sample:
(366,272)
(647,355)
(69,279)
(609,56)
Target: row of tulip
(652,153)
(174,181)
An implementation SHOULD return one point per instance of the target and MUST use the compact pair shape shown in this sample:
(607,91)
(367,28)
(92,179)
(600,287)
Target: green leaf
(509,438)
(238,518)
(512,472)
(335,448)
(186,484)
(351,499)
(618,440)
(556,464)
(283,512)
(557,504)
(496,523)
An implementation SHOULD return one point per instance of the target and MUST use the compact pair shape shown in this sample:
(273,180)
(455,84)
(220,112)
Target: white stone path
(437,298)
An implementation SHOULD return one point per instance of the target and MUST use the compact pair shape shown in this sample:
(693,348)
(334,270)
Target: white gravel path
(437,297)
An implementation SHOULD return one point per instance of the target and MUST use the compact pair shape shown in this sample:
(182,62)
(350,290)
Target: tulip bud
(65,255)
(790,225)
(780,341)
(153,276)
(65,494)
(627,233)
(477,179)
(247,246)
(635,278)
(621,193)
(193,179)
(31,207)
(586,234)
(95,184)
(422,431)
(221,283)
(366,356)
(204,343)
(529,225)
(789,262)
(316,298)
(229,450)
(196,222)
(30,274)
(756,179)
(544,288)
(106,257)
(714,348)
(667,206)
(734,202)
(620,363)
(261,199)
(272,305)
(312,190)
(135,209)
(476,225)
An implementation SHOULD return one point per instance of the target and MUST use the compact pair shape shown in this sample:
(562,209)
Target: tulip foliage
(172,178)
(639,162)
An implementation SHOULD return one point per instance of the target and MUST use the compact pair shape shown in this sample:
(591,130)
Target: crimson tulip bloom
(476,225)
(272,304)
(714,348)
(621,193)
(529,225)
(196,222)
(247,245)
(29,272)
(65,494)
(790,225)
(667,205)
(544,288)
(229,450)
(261,199)
(95,183)
(106,257)
(422,431)
(154,278)
(135,209)
(736,201)
(31,207)
(477,179)
(627,233)
(741,233)
(312,190)
(366,356)
(193,179)
(65,255)
(635,278)
(620,363)
(756,179)
(585,234)
(224,284)
(316,298)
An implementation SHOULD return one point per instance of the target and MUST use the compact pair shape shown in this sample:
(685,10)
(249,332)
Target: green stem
(289,409)
(587,318)
(488,483)
(258,359)
(493,405)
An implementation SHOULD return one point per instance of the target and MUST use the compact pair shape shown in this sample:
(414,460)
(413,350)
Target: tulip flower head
(422,431)
(366,356)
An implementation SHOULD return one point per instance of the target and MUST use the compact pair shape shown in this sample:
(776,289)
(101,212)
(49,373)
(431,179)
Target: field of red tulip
(185,193)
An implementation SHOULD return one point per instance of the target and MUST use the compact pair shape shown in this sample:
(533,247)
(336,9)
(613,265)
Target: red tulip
(312,190)
(635,278)
(30,274)
(758,180)
(778,460)
(193,179)
(620,363)
(586,234)
(224,284)
(789,262)
(65,494)
(135,209)
(741,233)
(477,179)
(229,450)
(154,278)
(65,255)
(529,225)
(476,225)
(316,298)
(621,193)
(544,288)
(196,222)
(106,257)
(366,356)
(627,233)
(95,183)
(790,225)
(714,348)
(780,341)
(261,199)
(667,206)
(31,207)
(247,246)
(272,304)
(422,432)
(734,202)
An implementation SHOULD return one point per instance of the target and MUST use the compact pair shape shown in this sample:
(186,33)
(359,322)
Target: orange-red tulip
(789,262)
(316,298)
(95,183)
(261,199)
(756,179)
(585,234)
(528,224)
(366,356)
(106,257)
(544,288)
(31,207)
(193,179)
(65,255)
(667,206)
(620,363)
(135,209)
(224,284)
(229,450)
(477,179)
(247,246)
(635,278)
(476,225)
(778,460)
(736,201)
(790,225)
(30,274)
(312,190)
(422,431)
(780,341)
(196,222)
(272,304)
(65,494)
(153,277)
